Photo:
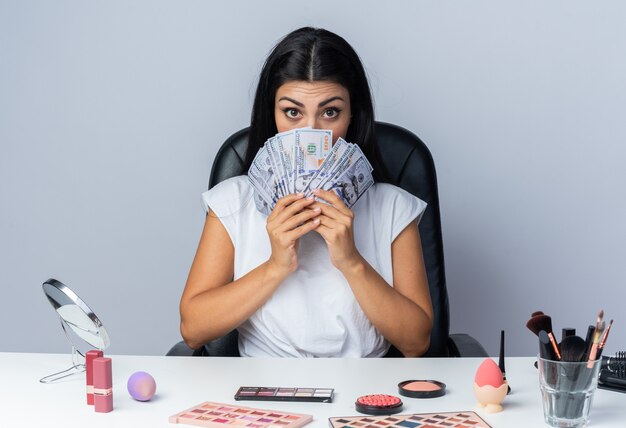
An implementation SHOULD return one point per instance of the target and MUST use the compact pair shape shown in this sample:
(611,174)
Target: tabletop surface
(183,382)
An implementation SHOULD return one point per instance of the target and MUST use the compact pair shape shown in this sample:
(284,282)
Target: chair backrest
(410,166)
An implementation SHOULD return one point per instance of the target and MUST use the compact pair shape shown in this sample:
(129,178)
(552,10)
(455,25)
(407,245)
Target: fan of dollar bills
(304,159)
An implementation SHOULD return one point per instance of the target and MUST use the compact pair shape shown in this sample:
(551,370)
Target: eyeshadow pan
(208,406)
(408,424)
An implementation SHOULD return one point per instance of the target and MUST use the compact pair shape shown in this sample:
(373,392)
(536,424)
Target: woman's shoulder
(230,193)
(395,206)
(387,194)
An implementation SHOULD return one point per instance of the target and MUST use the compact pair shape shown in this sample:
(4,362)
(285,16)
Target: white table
(183,382)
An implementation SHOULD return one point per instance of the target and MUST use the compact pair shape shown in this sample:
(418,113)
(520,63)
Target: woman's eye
(331,112)
(291,113)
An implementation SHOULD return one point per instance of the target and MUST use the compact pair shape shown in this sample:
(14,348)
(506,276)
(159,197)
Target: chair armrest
(464,345)
(180,350)
(225,346)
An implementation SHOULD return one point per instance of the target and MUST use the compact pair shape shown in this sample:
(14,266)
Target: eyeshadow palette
(214,415)
(421,420)
(258,393)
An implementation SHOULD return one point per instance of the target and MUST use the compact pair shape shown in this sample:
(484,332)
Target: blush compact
(378,404)
(422,388)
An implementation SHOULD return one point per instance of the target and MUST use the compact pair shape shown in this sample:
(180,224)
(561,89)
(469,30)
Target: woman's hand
(337,229)
(290,219)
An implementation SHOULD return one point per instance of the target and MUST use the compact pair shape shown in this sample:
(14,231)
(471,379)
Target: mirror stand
(78,362)
(80,325)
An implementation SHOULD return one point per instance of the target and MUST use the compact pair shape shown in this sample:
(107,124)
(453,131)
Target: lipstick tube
(102,385)
(89,357)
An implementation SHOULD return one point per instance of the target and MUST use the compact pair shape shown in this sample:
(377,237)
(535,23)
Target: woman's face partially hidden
(320,105)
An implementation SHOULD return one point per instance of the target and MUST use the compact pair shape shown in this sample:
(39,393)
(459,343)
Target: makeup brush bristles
(597,335)
(540,322)
(543,322)
(573,349)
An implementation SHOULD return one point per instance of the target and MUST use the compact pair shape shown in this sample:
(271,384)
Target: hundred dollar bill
(262,205)
(331,160)
(272,149)
(260,181)
(285,143)
(354,181)
(343,163)
(311,147)
(262,170)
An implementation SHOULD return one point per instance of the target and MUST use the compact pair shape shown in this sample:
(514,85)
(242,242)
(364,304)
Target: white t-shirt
(313,313)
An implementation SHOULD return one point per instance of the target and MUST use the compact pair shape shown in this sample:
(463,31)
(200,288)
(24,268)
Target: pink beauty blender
(490,387)
(141,386)
(489,373)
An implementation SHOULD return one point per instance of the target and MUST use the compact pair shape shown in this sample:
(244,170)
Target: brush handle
(555,347)
(545,349)
(567,332)
(589,341)
(592,355)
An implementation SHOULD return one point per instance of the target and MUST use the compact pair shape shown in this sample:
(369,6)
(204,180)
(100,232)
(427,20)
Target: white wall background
(111,113)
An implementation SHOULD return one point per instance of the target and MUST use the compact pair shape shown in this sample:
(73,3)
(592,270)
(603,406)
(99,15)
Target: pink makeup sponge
(141,386)
(489,373)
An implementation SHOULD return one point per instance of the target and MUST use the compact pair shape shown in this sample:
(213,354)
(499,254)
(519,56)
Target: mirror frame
(73,297)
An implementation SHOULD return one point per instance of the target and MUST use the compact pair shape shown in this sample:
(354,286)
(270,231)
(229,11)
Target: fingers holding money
(336,227)
(290,220)
(337,207)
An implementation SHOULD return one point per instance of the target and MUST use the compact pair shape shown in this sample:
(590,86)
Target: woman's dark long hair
(314,54)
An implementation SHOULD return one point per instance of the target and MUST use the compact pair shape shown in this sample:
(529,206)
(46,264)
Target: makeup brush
(603,339)
(588,341)
(567,331)
(545,348)
(597,335)
(544,322)
(573,349)
(501,360)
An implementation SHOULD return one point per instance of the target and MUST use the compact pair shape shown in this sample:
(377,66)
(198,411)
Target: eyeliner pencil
(501,360)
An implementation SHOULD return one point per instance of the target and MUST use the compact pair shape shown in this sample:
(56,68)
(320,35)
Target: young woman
(311,279)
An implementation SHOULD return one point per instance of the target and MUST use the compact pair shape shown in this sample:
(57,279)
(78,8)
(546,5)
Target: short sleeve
(405,208)
(227,199)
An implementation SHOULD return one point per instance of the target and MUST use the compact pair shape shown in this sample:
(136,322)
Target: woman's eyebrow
(298,103)
(323,103)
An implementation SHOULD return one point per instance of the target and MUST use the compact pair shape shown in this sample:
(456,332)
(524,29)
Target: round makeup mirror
(79,323)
